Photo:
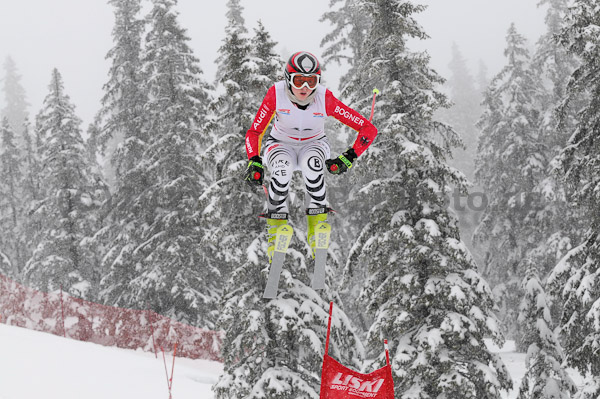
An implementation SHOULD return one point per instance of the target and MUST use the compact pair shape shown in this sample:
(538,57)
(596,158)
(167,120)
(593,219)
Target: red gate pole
(169,379)
(173,367)
(166,372)
(387,352)
(328,328)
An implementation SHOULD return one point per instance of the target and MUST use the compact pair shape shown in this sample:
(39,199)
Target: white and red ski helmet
(302,62)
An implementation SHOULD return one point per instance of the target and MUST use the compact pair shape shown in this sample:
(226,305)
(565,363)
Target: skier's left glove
(342,163)
(255,171)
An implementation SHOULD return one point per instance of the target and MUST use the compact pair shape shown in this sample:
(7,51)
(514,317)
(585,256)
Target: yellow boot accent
(312,221)
(272,225)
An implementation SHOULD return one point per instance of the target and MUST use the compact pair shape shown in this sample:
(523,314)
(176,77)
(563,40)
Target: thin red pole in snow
(169,379)
(173,367)
(328,328)
(166,372)
(62,311)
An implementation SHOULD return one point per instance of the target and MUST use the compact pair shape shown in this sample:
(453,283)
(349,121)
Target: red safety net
(60,314)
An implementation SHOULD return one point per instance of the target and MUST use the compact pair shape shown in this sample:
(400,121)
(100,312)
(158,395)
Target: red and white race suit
(297,141)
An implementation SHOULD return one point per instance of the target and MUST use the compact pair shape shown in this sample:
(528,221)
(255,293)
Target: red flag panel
(340,382)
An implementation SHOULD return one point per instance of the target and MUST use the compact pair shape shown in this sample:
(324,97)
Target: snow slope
(514,362)
(37,365)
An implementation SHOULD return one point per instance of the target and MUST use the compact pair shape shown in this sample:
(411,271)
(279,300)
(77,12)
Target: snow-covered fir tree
(545,377)
(120,133)
(463,113)
(103,212)
(482,77)
(343,46)
(91,144)
(243,77)
(271,348)
(67,208)
(15,99)
(234,108)
(5,265)
(156,260)
(510,163)
(17,155)
(122,139)
(266,64)
(560,222)
(556,64)
(274,348)
(422,288)
(11,205)
(31,188)
(575,277)
(345,42)
(462,116)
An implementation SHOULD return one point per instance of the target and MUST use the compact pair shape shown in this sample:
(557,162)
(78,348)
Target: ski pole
(266,191)
(375,93)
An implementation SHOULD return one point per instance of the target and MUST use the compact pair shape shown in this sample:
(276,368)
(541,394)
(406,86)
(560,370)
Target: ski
(282,241)
(322,235)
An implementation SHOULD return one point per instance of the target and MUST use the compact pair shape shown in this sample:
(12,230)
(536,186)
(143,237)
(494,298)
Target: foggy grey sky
(75,35)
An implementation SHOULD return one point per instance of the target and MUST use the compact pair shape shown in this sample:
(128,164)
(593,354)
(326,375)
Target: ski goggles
(299,80)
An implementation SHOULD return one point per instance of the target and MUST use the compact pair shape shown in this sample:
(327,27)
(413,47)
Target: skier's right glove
(342,163)
(255,171)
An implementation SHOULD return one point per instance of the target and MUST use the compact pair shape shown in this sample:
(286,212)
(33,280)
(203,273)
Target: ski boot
(314,217)
(279,234)
(319,232)
(274,221)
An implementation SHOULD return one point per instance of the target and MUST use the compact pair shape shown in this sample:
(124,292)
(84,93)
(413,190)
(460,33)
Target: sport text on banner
(340,382)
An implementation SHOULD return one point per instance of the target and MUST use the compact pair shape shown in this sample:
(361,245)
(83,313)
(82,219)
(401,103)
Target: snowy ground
(514,362)
(36,365)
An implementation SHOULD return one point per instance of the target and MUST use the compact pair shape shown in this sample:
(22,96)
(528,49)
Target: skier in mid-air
(297,141)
